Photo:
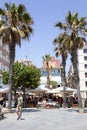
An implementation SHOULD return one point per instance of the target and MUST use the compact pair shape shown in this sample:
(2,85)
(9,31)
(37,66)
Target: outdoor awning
(4,88)
(61,89)
(83,89)
(41,88)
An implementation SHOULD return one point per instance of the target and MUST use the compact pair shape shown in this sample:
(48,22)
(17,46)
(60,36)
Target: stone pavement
(45,119)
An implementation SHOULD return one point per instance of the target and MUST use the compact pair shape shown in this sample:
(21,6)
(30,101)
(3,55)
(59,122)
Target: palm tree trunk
(81,109)
(64,93)
(48,76)
(74,59)
(64,80)
(11,66)
(9,95)
(48,81)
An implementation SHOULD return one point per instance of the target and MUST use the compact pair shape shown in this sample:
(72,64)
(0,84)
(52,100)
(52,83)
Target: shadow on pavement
(31,110)
(76,110)
(27,110)
(3,118)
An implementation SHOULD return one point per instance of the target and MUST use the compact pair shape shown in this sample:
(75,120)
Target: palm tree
(61,49)
(76,29)
(46,60)
(15,24)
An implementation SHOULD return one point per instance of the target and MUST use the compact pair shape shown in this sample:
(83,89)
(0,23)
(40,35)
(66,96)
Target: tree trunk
(11,67)
(24,98)
(80,105)
(74,59)
(48,76)
(48,82)
(63,75)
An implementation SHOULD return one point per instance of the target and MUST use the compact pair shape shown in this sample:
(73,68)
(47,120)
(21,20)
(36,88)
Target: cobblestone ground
(45,119)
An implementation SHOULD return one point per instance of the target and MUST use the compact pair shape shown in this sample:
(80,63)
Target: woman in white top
(19,106)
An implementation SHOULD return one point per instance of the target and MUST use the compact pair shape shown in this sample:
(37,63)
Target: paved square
(45,119)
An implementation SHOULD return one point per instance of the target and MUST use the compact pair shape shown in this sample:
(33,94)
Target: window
(85,50)
(85,57)
(3,56)
(85,66)
(55,72)
(43,72)
(85,75)
(86,83)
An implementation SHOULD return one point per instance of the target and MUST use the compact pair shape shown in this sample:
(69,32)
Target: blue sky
(45,14)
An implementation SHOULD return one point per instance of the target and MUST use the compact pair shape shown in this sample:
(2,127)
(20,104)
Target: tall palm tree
(61,49)
(15,24)
(76,29)
(46,60)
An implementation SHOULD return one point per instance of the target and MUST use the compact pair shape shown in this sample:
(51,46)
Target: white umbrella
(70,89)
(4,88)
(61,89)
(83,89)
(41,88)
(67,89)
(53,91)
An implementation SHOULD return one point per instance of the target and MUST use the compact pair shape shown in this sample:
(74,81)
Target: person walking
(19,106)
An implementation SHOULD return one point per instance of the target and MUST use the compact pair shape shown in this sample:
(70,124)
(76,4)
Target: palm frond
(59,24)
(69,18)
(27,18)
(2,12)
(5,39)
(7,6)
(21,9)
(75,16)
(21,33)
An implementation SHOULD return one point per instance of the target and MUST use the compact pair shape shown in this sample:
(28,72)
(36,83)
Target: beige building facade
(4,59)
(55,72)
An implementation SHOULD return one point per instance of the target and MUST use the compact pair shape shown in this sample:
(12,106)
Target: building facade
(26,62)
(82,67)
(4,59)
(55,72)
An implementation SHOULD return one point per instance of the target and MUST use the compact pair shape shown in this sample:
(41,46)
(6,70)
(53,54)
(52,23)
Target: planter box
(74,105)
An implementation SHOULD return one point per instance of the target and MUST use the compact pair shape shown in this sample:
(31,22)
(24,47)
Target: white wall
(81,67)
(43,79)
